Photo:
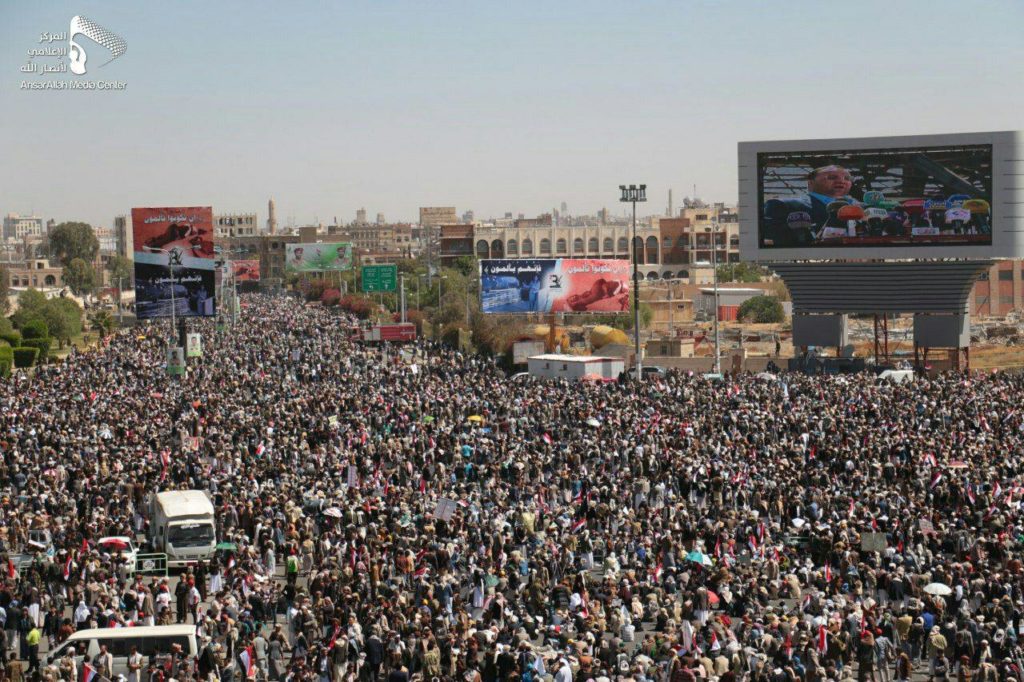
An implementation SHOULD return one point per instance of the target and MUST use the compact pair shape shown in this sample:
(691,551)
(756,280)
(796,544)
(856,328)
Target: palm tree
(102,321)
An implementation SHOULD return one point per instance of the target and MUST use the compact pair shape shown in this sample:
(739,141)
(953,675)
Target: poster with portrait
(317,257)
(938,195)
(246,270)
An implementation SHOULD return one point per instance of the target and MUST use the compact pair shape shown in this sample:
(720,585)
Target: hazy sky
(490,106)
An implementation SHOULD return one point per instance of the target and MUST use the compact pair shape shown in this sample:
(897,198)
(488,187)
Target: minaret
(670,203)
(271,218)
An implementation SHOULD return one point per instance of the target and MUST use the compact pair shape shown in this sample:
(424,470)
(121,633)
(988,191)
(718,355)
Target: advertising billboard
(246,270)
(925,196)
(318,257)
(907,196)
(547,285)
(174,262)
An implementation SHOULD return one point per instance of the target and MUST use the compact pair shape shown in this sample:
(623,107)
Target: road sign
(378,278)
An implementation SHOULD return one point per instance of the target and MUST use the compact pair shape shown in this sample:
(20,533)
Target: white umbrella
(938,589)
(333,512)
(593,422)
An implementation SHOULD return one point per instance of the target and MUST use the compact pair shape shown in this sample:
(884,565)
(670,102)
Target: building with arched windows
(667,248)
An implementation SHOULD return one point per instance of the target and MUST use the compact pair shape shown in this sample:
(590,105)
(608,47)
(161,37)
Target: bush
(330,297)
(357,305)
(6,361)
(35,329)
(416,317)
(25,356)
(314,289)
(762,310)
(42,345)
(13,339)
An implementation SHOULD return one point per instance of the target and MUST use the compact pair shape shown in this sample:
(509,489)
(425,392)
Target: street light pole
(633,194)
(714,269)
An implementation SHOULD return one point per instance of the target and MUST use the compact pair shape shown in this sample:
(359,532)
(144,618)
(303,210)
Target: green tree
(120,268)
(742,272)
(762,310)
(69,241)
(64,318)
(80,277)
(102,322)
(5,303)
(30,306)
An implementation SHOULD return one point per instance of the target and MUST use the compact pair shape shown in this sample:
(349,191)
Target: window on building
(592,245)
(513,247)
(652,250)
(609,245)
(623,245)
(527,247)
(702,216)
(482,250)
(577,245)
(1006,275)
(545,247)
(561,246)
(1006,300)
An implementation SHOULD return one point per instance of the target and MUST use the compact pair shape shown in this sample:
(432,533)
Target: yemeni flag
(828,573)
(970,493)
(248,661)
(547,438)
(788,645)
(67,570)
(576,527)
(12,572)
(822,639)
(752,541)
(422,571)
(89,673)
(260,448)
(936,479)
(718,547)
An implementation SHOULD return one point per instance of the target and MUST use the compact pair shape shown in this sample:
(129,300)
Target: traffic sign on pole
(379,278)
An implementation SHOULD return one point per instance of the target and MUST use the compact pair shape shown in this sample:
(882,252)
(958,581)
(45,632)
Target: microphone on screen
(875,218)
(873,198)
(833,226)
(850,216)
(956,218)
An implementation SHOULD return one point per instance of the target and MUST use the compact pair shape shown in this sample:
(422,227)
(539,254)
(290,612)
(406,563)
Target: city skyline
(487,107)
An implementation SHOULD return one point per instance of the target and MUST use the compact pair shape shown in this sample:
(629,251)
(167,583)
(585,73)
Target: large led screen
(908,196)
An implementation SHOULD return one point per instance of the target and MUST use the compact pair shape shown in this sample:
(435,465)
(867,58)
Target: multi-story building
(456,241)
(686,241)
(123,234)
(107,238)
(268,249)
(20,226)
(235,225)
(999,290)
(38,273)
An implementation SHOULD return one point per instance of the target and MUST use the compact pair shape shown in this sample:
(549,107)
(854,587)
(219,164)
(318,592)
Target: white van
(119,641)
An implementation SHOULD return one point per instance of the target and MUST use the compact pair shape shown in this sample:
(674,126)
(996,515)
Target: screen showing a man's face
(895,196)
(832,181)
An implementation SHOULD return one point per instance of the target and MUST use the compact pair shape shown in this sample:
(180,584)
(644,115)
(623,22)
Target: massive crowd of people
(408,513)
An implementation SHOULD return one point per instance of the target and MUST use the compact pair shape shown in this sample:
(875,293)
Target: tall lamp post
(170,268)
(714,269)
(632,194)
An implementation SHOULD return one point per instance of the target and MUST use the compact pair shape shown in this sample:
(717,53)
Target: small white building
(575,367)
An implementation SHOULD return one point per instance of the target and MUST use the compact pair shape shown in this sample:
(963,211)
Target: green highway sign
(378,278)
